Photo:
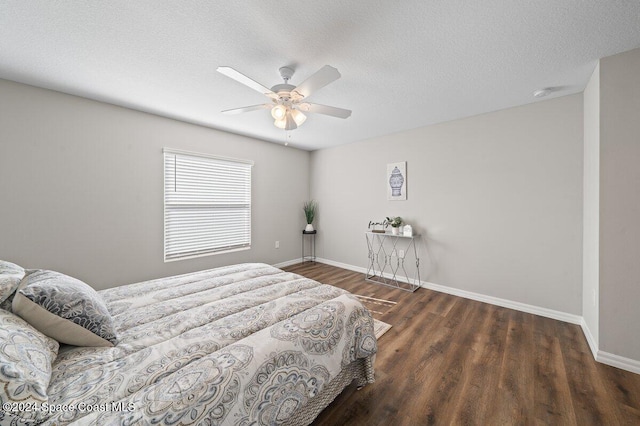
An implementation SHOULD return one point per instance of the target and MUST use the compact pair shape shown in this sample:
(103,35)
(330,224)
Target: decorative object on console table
(395,223)
(397,181)
(407,231)
(310,209)
(312,246)
(391,258)
(375,225)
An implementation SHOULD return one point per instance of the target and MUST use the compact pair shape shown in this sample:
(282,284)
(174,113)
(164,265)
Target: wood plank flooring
(454,361)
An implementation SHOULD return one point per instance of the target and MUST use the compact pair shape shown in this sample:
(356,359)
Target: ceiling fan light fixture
(280,124)
(298,117)
(287,123)
(290,123)
(279,112)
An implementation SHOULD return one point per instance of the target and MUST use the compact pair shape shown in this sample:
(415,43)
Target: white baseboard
(287,263)
(342,265)
(505,303)
(593,345)
(523,307)
(618,361)
(613,360)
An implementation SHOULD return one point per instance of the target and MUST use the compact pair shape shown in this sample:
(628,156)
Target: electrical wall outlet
(277,244)
(401,254)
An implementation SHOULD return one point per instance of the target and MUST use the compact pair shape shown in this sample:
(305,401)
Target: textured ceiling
(404,64)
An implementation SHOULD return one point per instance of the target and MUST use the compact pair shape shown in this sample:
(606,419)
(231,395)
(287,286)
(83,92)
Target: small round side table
(312,246)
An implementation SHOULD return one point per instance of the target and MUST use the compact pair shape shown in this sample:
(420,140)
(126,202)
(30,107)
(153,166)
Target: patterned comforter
(238,345)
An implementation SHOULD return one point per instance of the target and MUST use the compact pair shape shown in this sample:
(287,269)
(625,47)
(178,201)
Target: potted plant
(395,223)
(310,209)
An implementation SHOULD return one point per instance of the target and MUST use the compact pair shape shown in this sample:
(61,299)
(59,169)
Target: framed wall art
(397,181)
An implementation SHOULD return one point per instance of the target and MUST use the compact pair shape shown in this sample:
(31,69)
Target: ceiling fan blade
(324,76)
(241,78)
(324,109)
(247,109)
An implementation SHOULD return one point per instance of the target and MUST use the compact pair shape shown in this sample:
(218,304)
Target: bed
(238,345)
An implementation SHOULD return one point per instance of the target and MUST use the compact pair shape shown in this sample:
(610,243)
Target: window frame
(208,160)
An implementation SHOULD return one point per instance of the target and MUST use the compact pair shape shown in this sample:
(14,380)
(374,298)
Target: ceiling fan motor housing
(283,89)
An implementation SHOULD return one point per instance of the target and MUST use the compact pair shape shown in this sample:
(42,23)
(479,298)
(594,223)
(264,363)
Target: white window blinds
(207,204)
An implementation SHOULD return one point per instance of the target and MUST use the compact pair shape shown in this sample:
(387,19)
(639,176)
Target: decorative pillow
(10,276)
(64,308)
(26,356)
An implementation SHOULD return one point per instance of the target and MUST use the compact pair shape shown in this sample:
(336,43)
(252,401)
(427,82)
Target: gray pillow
(10,276)
(26,356)
(64,308)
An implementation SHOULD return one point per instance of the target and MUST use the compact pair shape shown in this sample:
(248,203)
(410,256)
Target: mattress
(237,345)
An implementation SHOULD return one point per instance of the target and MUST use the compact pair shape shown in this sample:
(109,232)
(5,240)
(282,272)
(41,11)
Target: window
(207,205)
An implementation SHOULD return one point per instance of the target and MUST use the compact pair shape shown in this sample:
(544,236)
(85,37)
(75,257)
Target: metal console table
(387,255)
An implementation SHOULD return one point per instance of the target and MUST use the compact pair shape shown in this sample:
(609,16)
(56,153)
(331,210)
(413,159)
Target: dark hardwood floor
(449,360)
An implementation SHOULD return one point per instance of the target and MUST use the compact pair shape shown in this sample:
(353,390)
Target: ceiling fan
(288,102)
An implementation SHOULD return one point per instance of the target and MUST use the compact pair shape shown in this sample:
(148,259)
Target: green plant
(310,209)
(395,222)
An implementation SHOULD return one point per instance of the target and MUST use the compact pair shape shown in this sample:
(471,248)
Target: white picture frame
(396,181)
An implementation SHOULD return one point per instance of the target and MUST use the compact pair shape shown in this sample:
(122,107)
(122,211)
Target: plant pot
(309,228)
(395,231)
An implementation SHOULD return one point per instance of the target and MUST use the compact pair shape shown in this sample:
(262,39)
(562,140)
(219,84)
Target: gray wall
(620,204)
(498,198)
(82,189)
(591,207)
